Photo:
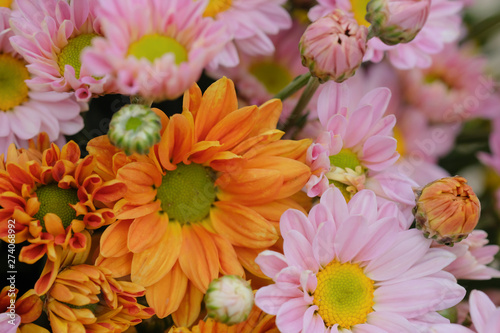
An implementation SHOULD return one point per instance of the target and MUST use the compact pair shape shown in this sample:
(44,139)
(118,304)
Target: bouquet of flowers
(249,166)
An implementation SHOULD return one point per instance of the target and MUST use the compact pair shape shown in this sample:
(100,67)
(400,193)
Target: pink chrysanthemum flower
(25,113)
(249,23)
(472,257)
(442,26)
(259,78)
(485,316)
(453,89)
(349,268)
(50,35)
(355,147)
(154,48)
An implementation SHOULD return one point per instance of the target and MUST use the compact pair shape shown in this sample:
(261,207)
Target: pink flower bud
(397,21)
(333,47)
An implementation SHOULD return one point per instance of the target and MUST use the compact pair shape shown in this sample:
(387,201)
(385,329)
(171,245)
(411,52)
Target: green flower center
(344,294)
(13,89)
(359,10)
(56,200)
(155,46)
(273,76)
(346,172)
(187,193)
(215,7)
(70,54)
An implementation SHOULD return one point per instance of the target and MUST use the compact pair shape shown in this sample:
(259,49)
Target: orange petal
(29,306)
(218,101)
(48,275)
(19,175)
(163,118)
(250,186)
(199,258)
(284,148)
(203,151)
(295,173)
(32,328)
(146,231)
(192,99)
(119,266)
(32,253)
(189,310)
(177,141)
(267,116)
(128,211)
(149,266)
(114,239)
(242,226)
(53,224)
(272,211)
(141,179)
(234,127)
(70,152)
(254,142)
(247,258)
(110,191)
(229,264)
(166,295)
(103,151)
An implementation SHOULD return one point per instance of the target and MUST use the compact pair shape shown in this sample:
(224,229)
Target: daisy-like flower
(203,203)
(259,78)
(257,322)
(250,22)
(24,113)
(349,268)
(355,147)
(53,202)
(86,298)
(50,35)
(153,48)
(453,89)
(442,26)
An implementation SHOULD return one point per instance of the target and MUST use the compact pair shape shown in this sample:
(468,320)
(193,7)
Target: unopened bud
(134,128)
(229,299)
(333,47)
(447,210)
(397,21)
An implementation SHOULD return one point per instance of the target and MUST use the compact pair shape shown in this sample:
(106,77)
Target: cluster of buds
(397,21)
(447,210)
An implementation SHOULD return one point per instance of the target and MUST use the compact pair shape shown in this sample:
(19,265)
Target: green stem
(141,100)
(312,86)
(480,29)
(293,86)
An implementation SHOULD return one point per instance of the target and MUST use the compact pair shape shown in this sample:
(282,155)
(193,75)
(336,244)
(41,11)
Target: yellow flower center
(344,294)
(401,146)
(215,7)
(187,193)
(56,200)
(155,46)
(359,10)
(70,54)
(13,89)
(272,75)
(346,173)
(5,3)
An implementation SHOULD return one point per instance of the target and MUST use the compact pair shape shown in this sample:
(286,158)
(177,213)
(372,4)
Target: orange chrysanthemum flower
(52,201)
(205,201)
(28,307)
(86,298)
(257,322)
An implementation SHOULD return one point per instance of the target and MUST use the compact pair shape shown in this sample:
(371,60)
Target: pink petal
(391,322)
(271,298)
(364,203)
(298,251)
(379,99)
(294,219)
(271,263)
(323,244)
(379,152)
(331,100)
(290,317)
(335,202)
(481,309)
(313,322)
